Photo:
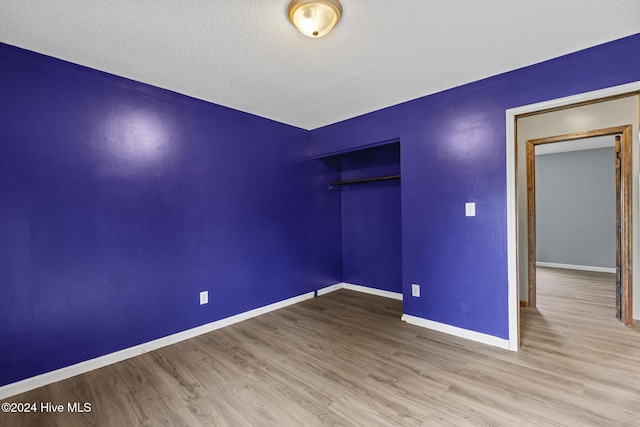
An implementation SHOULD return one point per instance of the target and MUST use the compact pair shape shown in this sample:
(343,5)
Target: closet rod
(358,181)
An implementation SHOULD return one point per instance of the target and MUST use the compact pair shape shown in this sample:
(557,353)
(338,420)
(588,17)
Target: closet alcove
(371,226)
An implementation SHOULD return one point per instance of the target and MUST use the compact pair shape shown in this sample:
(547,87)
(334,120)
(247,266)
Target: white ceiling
(246,55)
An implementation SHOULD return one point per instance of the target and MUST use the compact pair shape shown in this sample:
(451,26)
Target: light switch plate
(470,209)
(204,297)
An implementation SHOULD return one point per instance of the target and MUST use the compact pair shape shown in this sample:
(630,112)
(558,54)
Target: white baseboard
(328,289)
(372,291)
(576,267)
(99,362)
(459,332)
(360,288)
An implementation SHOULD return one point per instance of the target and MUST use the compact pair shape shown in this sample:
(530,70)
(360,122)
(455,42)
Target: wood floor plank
(347,359)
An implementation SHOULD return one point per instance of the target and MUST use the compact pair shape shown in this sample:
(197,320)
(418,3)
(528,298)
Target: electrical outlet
(415,290)
(204,297)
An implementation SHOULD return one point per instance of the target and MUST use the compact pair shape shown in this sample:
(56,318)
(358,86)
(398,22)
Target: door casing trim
(626,232)
(512,237)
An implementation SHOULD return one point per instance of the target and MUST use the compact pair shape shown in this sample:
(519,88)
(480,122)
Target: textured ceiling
(246,55)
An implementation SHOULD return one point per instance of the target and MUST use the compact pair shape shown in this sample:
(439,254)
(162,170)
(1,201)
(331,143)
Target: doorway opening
(621,105)
(623,212)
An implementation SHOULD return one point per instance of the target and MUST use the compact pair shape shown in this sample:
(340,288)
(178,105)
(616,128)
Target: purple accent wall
(120,202)
(453,151)
(371,223)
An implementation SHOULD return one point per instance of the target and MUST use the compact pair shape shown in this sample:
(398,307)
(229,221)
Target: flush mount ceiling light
(315,18)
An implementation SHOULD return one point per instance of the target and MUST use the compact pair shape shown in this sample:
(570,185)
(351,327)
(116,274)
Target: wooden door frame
(626,175)
(511,184)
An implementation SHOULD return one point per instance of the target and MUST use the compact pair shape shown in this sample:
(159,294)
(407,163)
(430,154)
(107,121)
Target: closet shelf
(360,181)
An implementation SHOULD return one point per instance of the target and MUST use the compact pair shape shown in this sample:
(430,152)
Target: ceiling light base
(314,18)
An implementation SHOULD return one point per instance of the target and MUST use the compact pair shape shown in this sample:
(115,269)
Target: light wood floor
(346,359)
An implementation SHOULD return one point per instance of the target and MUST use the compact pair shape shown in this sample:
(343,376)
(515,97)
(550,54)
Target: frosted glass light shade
(315,18)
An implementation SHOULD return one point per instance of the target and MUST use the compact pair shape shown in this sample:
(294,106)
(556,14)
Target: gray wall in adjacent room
(575,208)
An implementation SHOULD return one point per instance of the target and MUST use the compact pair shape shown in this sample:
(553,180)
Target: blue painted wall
(120,202)
(371,222)
(453,151)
